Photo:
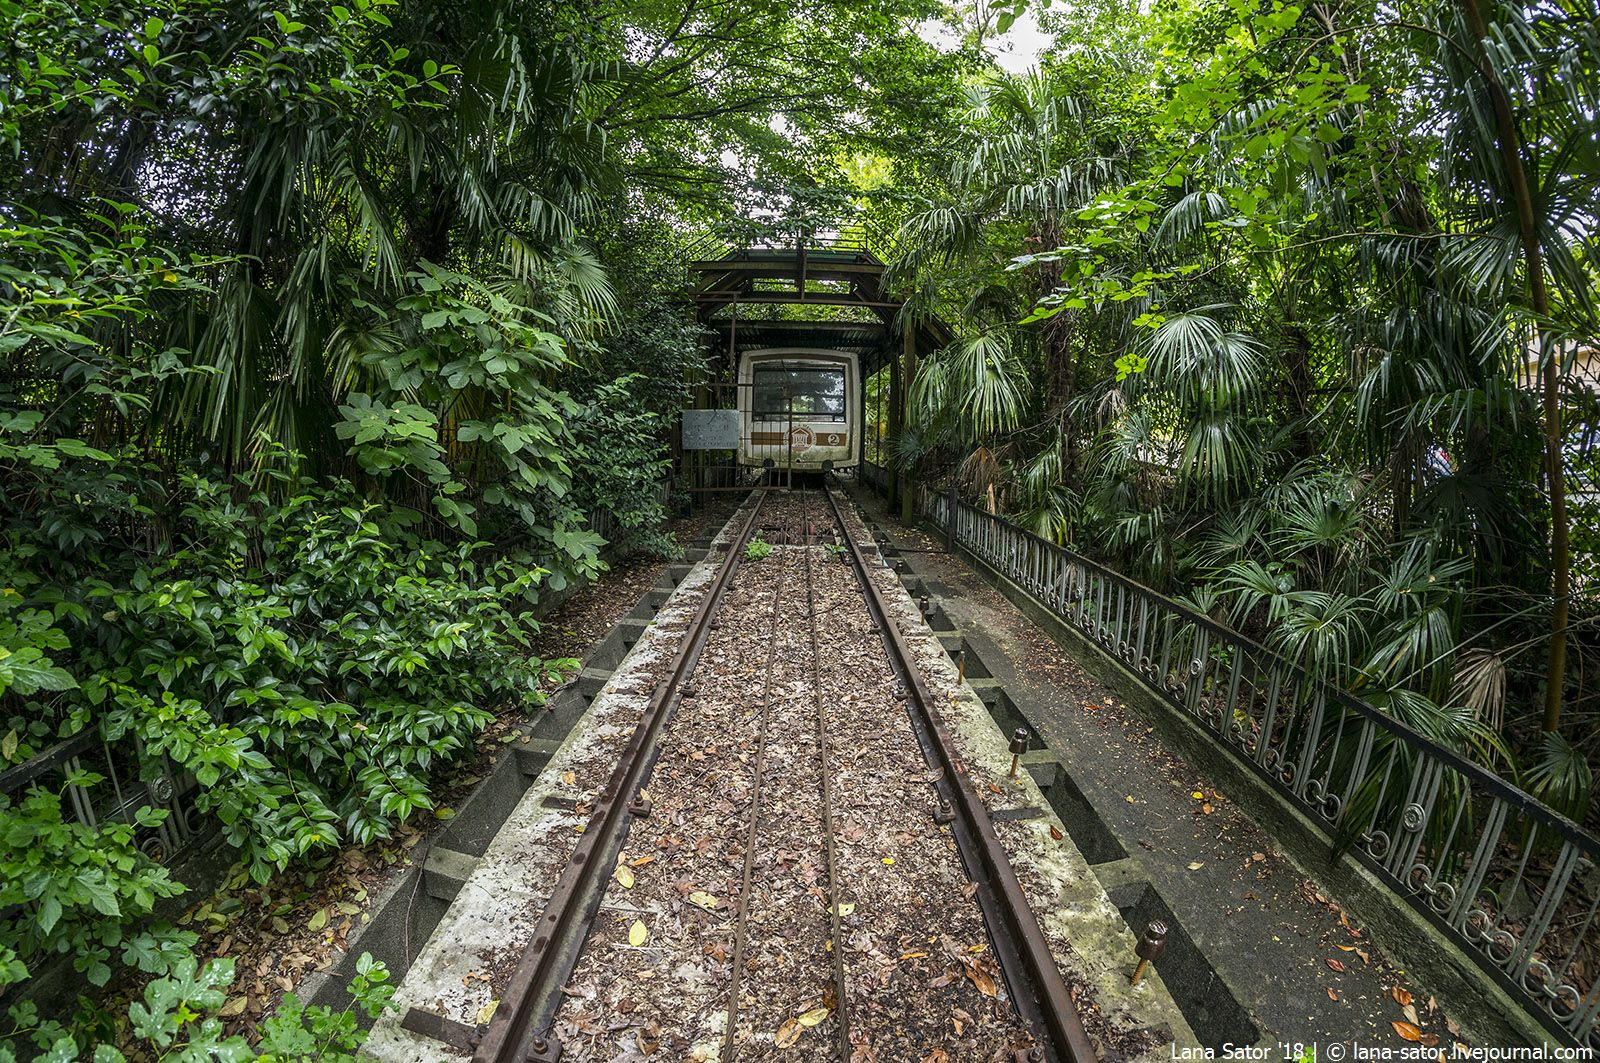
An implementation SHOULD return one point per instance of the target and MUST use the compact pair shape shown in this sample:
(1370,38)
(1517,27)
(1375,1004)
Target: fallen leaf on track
(1055,832)
(814,1016)
(1334,965)
(787,1034)
(486,1012)
(1406,1030)
(637,933)
(1331,994)
(1402,996)
(624,876)
(981,979)
(702,899)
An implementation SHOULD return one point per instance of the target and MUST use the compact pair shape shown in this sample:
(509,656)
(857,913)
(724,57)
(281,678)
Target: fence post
(950,520)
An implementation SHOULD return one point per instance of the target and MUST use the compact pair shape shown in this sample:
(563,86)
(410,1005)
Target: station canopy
(813,293)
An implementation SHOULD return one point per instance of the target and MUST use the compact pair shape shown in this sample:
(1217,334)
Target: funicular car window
(815,394)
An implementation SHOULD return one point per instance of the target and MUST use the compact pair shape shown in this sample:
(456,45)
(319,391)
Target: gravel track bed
(656,977)
(668,994)
(1111,1033)
(923,981)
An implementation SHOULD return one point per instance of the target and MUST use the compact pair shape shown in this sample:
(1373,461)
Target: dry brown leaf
(1055,832)
(1411,1015)
(812,1017)
(787,1034)
(234,1007)
(1331,994)
(1334,965)
(1345,948)
(981,979)
(641,861)
(1364,957)
(1402,996)
(569,778)
(1206,808)
(1406,1030)
(938,1055)
(702,899)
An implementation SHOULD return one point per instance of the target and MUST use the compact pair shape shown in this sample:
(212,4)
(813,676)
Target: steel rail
(741,920)
(535,984)
(1034,980)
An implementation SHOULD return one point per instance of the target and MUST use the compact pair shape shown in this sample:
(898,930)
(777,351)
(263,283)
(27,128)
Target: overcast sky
(1015,51)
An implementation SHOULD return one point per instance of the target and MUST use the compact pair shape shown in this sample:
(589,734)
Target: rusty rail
(515,1033)
(1036,986)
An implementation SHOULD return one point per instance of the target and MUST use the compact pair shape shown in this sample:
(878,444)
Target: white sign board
(710,429)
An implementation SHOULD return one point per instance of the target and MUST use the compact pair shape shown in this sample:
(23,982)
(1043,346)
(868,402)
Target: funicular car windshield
(814,393)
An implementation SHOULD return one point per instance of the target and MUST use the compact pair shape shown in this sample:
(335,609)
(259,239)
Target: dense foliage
(1291,309)
(336,337)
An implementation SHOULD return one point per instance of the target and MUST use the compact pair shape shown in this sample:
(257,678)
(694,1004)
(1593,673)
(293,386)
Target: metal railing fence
(874,476)
(129,780)
(1513,882)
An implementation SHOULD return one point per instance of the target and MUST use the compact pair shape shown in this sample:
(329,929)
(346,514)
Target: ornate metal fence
(129,780)
(1512,881)
(874,476)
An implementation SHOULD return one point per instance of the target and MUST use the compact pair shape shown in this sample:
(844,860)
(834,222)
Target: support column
(896,407)
(909,374)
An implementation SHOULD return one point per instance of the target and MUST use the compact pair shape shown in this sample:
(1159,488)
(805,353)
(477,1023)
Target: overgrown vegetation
(333,334)
(757,549)
(1290,309)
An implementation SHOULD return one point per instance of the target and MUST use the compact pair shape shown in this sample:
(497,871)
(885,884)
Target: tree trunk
(1539,295)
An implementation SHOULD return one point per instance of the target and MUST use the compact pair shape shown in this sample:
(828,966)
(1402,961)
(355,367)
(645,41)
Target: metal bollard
(1151,944)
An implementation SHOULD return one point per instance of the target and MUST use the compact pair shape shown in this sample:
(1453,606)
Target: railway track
(784,860)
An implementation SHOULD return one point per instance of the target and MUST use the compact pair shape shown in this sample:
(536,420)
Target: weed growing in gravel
(757,548)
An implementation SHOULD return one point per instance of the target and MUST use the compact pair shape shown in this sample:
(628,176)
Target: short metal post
(1151,944)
